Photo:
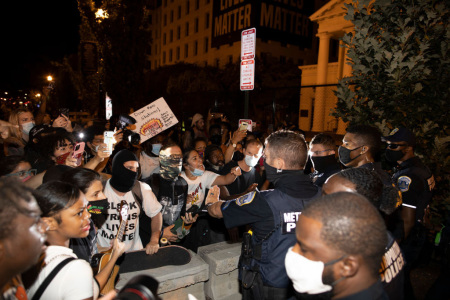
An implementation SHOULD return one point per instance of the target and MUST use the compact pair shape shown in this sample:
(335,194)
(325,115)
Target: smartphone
(64,111)
(109,141)
(243,126)
(78,151)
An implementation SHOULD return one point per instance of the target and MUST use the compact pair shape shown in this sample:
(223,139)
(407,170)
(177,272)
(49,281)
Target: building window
(165,3)
(171,36)
(164,57)
(171,16)
(207,1)
(187,28)
(187,7)
(156,49)
(178,53)
(170,55)
(197,4)
(179,12)
(206,44)
(150,19)
(186,50)
(164,38)
(196,25)
(165,20)
(207,20)
(195,47)
(178,32)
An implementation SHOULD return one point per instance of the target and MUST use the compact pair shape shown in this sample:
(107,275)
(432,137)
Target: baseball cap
(196,118)
(401,134)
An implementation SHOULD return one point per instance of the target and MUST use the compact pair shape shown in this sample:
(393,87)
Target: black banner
(286,21)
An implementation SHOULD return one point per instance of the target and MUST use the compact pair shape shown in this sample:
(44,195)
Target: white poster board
(153,119)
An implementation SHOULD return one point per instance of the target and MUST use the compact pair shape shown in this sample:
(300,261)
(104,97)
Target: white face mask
(251,161)
(26,127)
(306,275)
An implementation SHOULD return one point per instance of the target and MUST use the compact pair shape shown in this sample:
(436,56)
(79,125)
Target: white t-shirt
(197,188)
(74,281)
(149,164)
(131,238)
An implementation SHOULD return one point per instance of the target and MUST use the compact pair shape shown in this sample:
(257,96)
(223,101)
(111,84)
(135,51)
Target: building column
(322,66)
(346,72)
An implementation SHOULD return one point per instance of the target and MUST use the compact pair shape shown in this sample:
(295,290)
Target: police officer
(416,182)
(272,216)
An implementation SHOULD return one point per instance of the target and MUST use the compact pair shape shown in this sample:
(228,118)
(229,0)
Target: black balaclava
(123,179)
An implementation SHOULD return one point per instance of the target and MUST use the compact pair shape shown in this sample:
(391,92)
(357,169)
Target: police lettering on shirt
(289,221)
(392,263)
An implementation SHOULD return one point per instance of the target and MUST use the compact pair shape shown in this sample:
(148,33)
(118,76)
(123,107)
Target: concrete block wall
(223,259)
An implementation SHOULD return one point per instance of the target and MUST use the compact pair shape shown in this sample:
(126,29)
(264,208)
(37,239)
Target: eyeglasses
(395,146)
(23,173)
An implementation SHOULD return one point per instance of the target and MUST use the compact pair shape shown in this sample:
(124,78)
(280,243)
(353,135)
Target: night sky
(33,33)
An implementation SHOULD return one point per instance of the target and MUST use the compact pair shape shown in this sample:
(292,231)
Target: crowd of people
(315,221)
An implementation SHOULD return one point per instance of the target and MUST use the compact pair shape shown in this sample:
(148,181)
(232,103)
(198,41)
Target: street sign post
(247,80)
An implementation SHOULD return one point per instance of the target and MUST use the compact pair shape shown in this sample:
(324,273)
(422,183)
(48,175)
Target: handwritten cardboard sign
(153,119)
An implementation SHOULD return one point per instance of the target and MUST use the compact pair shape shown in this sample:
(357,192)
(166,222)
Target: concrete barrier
(223,259)
(176,282)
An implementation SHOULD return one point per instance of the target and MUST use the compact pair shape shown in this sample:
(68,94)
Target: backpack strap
(137,194)
(50,277)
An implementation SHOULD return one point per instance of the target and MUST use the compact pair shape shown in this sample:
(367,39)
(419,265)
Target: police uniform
(272,215)
(412,180)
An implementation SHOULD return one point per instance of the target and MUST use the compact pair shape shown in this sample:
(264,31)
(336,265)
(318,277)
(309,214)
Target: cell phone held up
(78,151)
(109,141)
(243,126)
(64,111)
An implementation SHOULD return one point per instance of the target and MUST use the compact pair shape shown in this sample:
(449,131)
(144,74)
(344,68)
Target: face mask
(306,275)
(99,211)
(272,174)
(27,127)
(320,163)
(394,156)
(156,148)
(344,155)
(60,160)
(170,168)
(251,161)
(197,172)
(123,179)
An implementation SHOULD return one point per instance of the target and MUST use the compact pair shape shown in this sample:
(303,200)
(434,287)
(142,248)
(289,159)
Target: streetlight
(50,81)
(38,95)
(101,14)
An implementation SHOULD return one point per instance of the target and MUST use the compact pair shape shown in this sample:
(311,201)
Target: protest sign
(153,119)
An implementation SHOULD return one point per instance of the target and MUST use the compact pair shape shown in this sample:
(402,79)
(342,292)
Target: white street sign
(248,42)
(247,74)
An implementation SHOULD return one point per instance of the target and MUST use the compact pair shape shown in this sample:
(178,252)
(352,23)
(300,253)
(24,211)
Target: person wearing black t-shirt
(250,178)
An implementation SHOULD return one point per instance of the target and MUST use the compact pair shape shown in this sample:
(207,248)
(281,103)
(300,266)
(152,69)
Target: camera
(196,210)
(141,287)
(128,135)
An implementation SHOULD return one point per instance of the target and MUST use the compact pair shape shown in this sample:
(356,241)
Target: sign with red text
(247,123)
(153,119)
(248,43)
(247,75)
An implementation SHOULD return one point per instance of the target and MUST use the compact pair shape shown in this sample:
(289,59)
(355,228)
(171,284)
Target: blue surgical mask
(27,127)
(251,161)
(156,148)
(198,172)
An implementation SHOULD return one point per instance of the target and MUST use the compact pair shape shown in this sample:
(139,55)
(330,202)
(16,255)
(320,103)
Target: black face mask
(123,179)
(394,156)
(344,155)
(274,174)
(321,163)
(98,210)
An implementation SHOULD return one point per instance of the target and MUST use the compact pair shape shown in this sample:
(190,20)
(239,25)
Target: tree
(400,55)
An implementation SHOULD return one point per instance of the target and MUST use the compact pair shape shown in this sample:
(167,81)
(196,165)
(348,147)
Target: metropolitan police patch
(403,183)
(246,199)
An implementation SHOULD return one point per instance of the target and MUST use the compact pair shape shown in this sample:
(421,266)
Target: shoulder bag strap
(50,277)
